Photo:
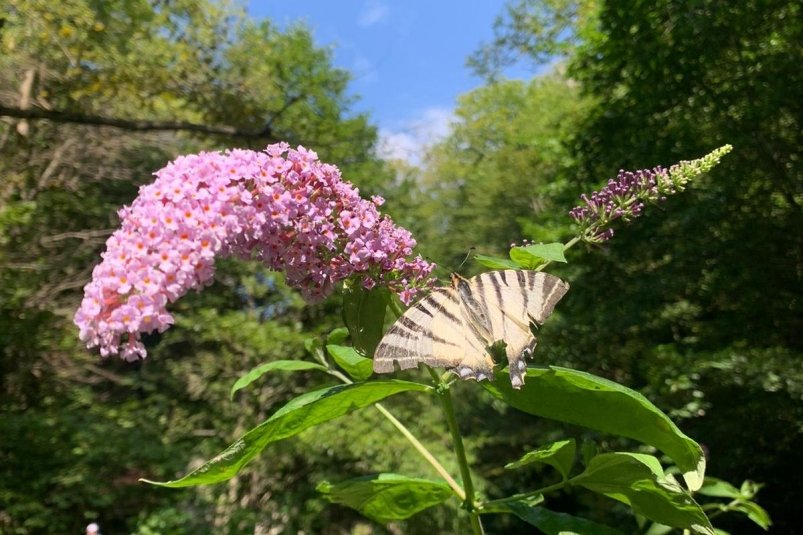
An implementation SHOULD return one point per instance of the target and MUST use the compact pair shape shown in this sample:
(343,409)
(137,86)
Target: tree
(95,97)
(703,299)
(500,175)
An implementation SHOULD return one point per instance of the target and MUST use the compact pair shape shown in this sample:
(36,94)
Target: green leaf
(276,365)
(634,480)
(588,450)
(754,512)
(532,256)
(583,399)
(337,336)
(749,488)
(718,488)
(554,523)
(387,497)
(301,413)
(357,366)
(312,346)
(495,262)
(364,315)
(558,454)
(660,529)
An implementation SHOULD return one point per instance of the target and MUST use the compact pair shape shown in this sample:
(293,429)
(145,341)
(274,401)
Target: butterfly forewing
(431,332)
(523,296)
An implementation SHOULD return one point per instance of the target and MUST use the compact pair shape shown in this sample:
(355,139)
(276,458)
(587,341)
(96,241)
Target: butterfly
(453,327)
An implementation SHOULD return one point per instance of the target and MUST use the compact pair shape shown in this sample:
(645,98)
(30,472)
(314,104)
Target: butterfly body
(454,326)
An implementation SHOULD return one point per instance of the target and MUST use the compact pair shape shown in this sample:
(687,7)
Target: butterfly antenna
(468,254)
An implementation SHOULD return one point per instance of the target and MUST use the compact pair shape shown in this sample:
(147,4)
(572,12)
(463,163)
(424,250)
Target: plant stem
(571,243)
(425,453)
(460,453)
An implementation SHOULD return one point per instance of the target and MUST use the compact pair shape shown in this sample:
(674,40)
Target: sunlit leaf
(358,367)
(750,488)
(718,488)
(558,454)
(313,345)
(532,256)
(754,512)
(387,497)
(660,529)
(583,399)
(301,413)
(554,523)
(635,481)
(276,365)
(364,315)
(495,262)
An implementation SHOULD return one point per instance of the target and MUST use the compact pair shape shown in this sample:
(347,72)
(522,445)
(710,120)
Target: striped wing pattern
(433,332)
(514,299)
(453,326)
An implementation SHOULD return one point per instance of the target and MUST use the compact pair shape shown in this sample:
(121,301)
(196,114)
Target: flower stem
(425,453)
(460,453)
(571,243)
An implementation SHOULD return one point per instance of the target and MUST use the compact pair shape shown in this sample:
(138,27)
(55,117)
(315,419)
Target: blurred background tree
(697,305)
(94,98)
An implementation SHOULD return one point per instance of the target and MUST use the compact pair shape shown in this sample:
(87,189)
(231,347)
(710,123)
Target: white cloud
(373,12)
(410,141)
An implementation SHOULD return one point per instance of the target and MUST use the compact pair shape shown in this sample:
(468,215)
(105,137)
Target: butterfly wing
(513,299)
(436,332)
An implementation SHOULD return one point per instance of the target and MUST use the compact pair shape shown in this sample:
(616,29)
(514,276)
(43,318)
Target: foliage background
(697,305)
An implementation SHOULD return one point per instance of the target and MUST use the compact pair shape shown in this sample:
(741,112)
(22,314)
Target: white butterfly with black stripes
(454,326)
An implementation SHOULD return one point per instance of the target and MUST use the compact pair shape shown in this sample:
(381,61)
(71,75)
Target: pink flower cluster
(282,207)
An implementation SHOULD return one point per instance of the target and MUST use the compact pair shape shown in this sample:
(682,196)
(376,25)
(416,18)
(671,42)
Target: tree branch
(135,124)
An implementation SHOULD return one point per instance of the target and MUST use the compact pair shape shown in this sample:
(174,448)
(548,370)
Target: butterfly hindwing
(457,335)
(514,299)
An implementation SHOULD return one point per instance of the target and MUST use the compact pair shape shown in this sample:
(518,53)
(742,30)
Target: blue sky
(407,57)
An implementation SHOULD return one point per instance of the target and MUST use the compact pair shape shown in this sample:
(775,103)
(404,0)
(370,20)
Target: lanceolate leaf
(387,497)
(558,454)
(583,399)
(754,512)
(638,482)
(719,489)
(276,365)
(364,315)
(531,256)
(495,262)
(299,414)
(357,366)
(553,523)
